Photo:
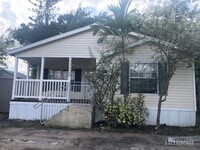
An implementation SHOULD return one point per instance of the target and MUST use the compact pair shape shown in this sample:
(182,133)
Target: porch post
(41,77)
(27,71)
(15,77)
(69,78)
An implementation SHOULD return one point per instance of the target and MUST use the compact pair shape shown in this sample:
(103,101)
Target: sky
(15,12)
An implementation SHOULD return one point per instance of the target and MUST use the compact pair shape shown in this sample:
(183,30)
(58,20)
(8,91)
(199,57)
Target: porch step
(76,116)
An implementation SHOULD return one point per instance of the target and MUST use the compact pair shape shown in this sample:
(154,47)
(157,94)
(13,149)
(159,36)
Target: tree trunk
(160,100)
(158,112)
(47,13)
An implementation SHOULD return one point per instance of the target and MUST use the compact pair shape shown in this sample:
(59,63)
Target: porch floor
(73,101)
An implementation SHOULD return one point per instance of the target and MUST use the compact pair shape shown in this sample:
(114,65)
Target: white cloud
(21,9)
(67,6)
(7,16)
(100,5)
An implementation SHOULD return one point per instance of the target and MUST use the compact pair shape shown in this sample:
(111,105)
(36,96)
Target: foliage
(27,33)
(117,26)
(174,28)
(75,19)
(105,81)
(42,25)
(197,69)
(38,29)
(126,114)
(44,11)
(5,43)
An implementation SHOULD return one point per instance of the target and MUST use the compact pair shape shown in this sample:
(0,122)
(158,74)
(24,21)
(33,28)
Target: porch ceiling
(33,60)
(62,63)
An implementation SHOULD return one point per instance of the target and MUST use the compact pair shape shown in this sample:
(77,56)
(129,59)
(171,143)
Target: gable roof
(141,40)
(51,39)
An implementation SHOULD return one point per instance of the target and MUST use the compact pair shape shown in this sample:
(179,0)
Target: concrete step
(75,116)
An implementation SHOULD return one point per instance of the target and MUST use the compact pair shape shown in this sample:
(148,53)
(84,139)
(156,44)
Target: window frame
(157,72)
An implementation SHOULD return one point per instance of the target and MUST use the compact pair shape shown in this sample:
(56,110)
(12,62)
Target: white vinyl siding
(181,89)
(79,45)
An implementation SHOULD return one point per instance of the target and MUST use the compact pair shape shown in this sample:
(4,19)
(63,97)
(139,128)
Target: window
(143,78)
(65,75)
(59,74)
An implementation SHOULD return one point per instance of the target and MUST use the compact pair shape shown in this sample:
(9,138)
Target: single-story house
(6,84)
(61,64)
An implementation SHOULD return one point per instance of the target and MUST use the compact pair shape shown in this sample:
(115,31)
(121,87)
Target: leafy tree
(45,11)
(73,20)
(42,25)
(5,43)
(27,33)
(175,30)
(117,25)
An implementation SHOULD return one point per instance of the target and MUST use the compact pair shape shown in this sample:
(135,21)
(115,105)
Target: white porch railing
(53,89)
(27,88)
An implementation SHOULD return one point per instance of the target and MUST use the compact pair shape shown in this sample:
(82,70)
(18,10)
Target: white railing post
(69,78)
(41,77)
(27,77)
(15,77)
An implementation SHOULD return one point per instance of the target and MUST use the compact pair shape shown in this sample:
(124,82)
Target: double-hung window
(143,78)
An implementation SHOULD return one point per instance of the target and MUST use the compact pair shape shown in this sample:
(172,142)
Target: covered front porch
(62,79)
(56,77)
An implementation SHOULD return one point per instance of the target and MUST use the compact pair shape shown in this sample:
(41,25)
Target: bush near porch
(126,113)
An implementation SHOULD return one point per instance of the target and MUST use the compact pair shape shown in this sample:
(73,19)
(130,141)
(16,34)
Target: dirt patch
(30,135)
(50,139)
(164,129)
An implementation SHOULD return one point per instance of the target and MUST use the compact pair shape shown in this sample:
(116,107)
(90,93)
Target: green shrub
(126,114)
